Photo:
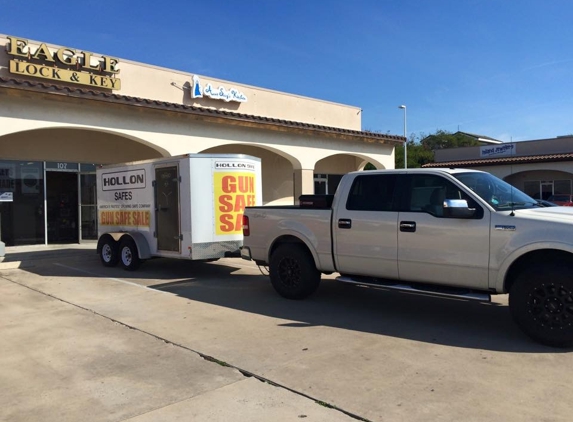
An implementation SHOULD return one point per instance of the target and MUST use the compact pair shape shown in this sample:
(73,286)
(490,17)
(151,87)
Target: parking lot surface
(181,340)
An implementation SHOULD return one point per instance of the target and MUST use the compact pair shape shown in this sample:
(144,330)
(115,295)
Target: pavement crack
(244,372)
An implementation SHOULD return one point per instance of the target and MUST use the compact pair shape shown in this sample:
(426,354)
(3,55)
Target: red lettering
(239,203)
(229,184)
(239,222)
(226,223)
(250,200)
(140,218)
(226,204)
(246,184)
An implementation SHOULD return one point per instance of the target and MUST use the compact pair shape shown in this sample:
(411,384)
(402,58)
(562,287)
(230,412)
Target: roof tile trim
(125,99)
(507,160)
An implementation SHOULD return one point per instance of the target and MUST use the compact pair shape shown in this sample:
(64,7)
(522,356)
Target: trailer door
(167,215)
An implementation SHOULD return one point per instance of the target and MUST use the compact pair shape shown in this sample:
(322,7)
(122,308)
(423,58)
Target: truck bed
(311,225)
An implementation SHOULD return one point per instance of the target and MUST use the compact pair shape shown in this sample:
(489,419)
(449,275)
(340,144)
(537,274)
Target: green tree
(417,154)
(444,139)
(421,147)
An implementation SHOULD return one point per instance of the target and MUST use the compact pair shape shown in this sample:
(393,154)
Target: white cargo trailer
(187,207)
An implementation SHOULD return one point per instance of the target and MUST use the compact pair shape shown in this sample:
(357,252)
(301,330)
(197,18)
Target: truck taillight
(246,230)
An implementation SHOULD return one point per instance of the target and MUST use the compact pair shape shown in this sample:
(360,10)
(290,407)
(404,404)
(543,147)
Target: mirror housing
(458,208)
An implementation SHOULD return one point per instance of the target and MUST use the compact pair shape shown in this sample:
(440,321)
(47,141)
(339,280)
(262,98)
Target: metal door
(167,219)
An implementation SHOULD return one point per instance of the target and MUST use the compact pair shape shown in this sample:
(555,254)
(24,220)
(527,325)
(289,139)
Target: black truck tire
(128,254)
(293,272)
(541,303)
(109,252)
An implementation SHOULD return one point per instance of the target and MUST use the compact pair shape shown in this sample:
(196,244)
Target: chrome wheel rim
(106,253)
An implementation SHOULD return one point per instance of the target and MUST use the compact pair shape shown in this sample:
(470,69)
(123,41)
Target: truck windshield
(500,195)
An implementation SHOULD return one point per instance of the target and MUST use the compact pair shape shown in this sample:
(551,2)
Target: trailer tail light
(246,230)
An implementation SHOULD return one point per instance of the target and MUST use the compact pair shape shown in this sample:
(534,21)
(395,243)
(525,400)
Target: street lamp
(405,136)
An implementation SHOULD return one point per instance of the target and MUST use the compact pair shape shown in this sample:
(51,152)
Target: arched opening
(329,171)
(75,145)
(48,182)
(541,184)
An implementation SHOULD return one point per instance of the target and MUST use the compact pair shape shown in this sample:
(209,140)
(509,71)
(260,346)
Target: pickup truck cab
(447,232)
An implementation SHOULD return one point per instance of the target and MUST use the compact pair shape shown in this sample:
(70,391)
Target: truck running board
(426,289)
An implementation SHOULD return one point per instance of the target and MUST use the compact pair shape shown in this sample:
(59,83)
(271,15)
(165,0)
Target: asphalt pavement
(181,340)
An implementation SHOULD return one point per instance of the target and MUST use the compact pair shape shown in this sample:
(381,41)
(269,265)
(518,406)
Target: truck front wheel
(541,303)
(128,254)
(292,271)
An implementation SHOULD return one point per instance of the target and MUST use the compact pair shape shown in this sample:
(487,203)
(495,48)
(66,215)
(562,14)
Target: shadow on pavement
(426,319)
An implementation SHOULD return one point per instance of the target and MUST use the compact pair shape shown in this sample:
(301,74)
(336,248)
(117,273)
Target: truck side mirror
(458,208)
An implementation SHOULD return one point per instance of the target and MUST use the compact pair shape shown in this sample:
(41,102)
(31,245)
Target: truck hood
(554,214)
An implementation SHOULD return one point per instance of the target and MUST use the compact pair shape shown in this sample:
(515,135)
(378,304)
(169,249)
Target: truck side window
(428,192)
(372,193)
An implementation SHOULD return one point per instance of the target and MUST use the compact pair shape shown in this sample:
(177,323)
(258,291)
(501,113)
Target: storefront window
(88,206)
(21,203)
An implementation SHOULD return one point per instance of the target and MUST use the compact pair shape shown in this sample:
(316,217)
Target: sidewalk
(23,256)
(62,362)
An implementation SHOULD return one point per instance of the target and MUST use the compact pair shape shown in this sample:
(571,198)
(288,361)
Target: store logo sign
(220,93)
(497,151)
(64,64)
(122,180)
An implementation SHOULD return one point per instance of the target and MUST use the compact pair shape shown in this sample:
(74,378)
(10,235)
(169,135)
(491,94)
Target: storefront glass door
(62,207)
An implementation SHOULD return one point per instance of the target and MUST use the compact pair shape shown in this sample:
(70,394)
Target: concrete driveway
(375,355)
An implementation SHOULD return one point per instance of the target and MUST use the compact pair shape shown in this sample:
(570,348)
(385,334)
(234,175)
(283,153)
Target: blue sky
(501,68)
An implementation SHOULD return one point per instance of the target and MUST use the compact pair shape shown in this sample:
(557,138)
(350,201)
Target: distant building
(540,168)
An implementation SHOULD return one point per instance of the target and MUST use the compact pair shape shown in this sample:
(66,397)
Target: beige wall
(47,127)
(152,82)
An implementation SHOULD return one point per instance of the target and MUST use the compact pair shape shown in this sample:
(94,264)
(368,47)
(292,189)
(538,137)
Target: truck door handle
(344,223)
(408,226)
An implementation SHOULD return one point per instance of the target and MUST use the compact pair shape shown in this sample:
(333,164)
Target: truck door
(167,215)
(435,249)
(364,229)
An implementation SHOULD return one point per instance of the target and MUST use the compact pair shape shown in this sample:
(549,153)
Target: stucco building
(540,168)
(63,111)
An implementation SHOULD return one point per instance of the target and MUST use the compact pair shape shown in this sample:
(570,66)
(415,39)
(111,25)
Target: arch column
(303,183)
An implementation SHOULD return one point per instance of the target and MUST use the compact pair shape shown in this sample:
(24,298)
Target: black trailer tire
(109,252)
(541,303)
(128,254)
(293,272)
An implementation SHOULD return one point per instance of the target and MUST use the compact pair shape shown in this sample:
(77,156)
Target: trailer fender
(141,243)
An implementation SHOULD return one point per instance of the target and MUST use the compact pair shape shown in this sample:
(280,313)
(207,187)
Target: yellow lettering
(69,59)
(43,53)
(110,65)
(87,62)
(17,47)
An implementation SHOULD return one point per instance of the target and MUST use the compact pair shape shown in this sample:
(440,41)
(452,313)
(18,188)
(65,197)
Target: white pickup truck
(446,232)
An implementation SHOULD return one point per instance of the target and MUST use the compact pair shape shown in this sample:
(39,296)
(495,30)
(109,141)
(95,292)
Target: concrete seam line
(206,357)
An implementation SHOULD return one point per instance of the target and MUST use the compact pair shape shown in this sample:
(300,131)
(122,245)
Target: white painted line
(110,278)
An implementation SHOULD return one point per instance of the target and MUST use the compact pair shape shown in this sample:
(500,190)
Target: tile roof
(546,158)
(229,116)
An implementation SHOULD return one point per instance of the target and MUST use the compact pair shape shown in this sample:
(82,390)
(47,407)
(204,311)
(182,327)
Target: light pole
(405,136)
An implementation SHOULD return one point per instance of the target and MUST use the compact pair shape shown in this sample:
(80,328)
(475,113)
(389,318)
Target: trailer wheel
(293,272)
(128,254)
(109,253)
(541,303)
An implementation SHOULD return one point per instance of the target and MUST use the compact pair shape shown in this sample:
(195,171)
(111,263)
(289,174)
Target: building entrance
(62,207)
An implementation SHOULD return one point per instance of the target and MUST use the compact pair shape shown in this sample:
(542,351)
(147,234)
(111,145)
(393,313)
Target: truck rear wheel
(541,303)
(128,254)
(293,272)
(109,254)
